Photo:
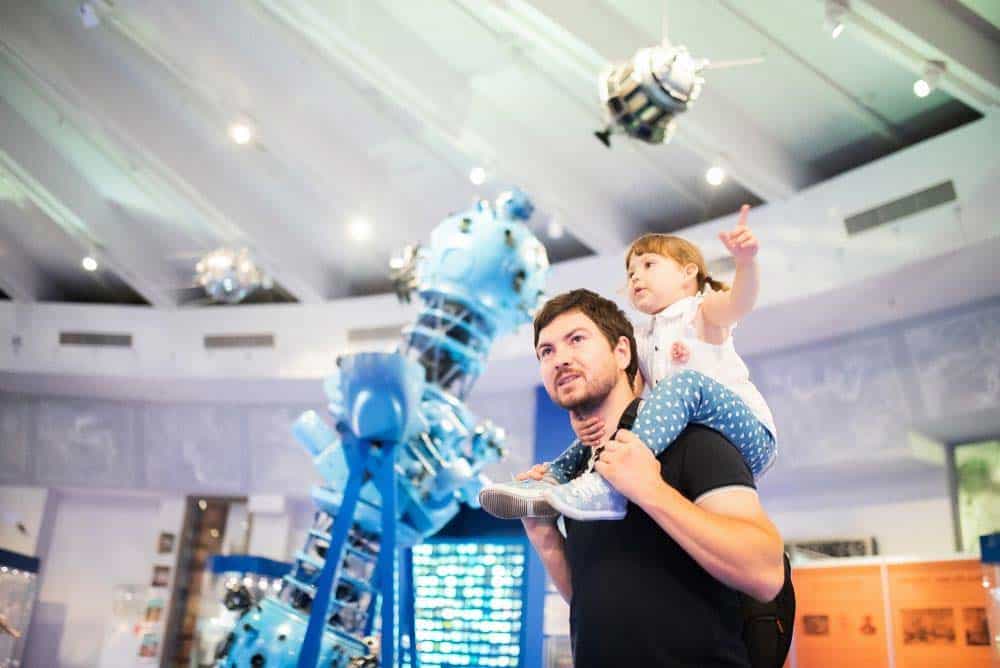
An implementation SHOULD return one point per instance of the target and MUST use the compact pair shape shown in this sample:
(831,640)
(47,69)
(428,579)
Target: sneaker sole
(507,506)
(586,515)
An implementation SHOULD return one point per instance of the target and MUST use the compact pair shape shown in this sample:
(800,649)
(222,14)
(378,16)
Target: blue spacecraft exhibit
(401,453)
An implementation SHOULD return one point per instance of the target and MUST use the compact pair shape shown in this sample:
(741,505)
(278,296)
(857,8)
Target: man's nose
(560,358)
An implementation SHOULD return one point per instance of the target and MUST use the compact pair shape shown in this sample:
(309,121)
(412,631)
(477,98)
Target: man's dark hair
(603,312)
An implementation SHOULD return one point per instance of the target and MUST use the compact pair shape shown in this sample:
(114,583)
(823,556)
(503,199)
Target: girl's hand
(741,242)
(590,431)
(536,472)
(679,353)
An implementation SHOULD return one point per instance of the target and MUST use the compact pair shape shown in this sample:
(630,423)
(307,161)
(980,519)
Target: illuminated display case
(18,583)
(989,549)
(232,583)
(469,599)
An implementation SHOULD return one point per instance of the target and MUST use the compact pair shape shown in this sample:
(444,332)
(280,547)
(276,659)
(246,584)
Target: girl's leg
(568,465)
(691,397)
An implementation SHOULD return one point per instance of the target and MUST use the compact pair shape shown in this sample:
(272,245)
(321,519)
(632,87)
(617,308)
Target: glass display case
(18,584)
(231,584)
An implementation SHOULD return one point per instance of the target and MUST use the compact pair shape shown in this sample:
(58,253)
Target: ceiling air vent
(220,341)
(373,338)
(103,339)
(900,208)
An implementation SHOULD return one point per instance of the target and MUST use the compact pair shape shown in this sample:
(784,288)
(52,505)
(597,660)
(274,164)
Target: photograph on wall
(867,627)
(977,629)
(150,645)
(928,626)
(161,576)
(165,543)
(154,610)
(816,625)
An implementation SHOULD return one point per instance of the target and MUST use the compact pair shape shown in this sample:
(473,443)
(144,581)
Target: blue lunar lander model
(404,451)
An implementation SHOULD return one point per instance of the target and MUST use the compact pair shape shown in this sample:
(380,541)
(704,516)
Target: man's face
(579,367)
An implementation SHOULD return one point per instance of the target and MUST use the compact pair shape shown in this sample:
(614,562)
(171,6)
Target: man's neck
(611,409)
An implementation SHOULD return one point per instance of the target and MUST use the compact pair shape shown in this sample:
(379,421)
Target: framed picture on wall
(161,576)
(165,543)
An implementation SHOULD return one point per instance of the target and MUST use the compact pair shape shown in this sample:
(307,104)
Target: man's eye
(577,338)
(543,352)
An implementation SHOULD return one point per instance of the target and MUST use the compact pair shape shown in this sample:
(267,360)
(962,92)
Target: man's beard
(594,395)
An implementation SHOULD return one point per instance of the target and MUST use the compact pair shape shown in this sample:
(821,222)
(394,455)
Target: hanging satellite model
(641,96)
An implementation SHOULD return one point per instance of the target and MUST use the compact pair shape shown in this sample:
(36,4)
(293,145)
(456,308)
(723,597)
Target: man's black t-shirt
(639,600)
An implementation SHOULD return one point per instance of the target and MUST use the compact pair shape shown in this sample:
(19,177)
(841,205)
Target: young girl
(691,371)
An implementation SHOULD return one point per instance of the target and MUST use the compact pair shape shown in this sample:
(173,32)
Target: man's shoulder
(701,459)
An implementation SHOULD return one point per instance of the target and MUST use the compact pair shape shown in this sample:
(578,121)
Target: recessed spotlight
(241,133)
(555,230)
(715,175)
(477,175)
(932,72)
(359,229)
(89,263)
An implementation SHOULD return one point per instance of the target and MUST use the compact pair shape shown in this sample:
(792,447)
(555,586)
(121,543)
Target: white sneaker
(521,498)
(588,497)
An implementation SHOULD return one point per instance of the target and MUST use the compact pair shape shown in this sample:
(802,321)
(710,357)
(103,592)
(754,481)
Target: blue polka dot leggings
(687,397)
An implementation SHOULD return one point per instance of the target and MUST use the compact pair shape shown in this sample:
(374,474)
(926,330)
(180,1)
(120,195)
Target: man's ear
(623,353)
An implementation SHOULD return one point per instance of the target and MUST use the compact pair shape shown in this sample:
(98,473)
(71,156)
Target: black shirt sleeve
(708,461)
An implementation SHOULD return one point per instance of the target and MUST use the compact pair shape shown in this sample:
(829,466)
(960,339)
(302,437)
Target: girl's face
(655,282)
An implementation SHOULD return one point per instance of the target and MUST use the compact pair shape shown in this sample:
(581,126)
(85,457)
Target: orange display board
(840,617)
(939,614)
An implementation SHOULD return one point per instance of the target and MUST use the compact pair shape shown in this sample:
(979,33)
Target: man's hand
(630,466)
(740,241)
(590,430)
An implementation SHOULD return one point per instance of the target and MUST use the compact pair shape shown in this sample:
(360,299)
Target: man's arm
(551,548)
(548,541)
(726,531)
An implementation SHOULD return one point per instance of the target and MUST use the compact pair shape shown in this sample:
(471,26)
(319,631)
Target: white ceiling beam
(595,222)
(65,196)
(915,31)
(855,105)
(714,128)
(190,165)
(20,278)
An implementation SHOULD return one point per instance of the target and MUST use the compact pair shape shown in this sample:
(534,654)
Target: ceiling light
(715,175)
(477,175)
(359,229)
(555,230)
(241,133)
(228,275)
(932,72)
(89,263)
(833,17)
(203,504)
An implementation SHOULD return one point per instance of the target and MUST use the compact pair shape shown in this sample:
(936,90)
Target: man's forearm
(743,554)
(551,548)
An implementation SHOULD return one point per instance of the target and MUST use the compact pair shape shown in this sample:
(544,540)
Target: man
(658,588)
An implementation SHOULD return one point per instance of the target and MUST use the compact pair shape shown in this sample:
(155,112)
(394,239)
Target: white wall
(24,505)
(918,528)
(97,540)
